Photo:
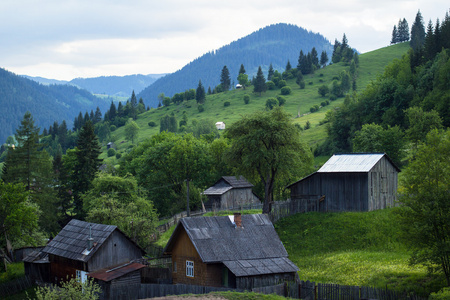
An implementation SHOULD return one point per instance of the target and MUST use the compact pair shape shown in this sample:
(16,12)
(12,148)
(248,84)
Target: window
(189,268)
(174,267)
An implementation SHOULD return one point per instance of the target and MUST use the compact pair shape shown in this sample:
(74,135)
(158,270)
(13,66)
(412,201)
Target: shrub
(441,295)
(226,103)
(270,85)
(308,125)
(152,124)
(302,84)
(201,108)
(111,152)
(285,90)
(323,90)
(281,83)
(112,128)
(281,100)
(271,103)
(118,155)
(246,99)
(310,83)
(314,108)
(333,97)
(321,75)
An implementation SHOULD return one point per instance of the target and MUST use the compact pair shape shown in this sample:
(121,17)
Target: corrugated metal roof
(216,239)
(357,162)
(113,273)
(71,241)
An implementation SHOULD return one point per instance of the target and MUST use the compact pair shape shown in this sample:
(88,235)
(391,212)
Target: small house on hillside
(230,192)
(82,247)
(242,252)
(220,125)
(349,182)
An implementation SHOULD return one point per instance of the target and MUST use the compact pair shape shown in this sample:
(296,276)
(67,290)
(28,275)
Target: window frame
(189,268)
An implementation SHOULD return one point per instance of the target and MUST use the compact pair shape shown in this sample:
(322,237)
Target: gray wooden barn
(230,192)
(242,252)
(82,247)
(349,182)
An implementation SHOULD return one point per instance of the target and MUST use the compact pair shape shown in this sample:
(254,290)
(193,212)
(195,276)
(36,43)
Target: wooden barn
(82,247)
(349,182)
(237,251)
(230,192)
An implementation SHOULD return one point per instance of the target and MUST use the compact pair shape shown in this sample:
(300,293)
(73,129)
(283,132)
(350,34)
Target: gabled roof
(353,162)
(227,183)
(71,241)
(117,272)
(251,249)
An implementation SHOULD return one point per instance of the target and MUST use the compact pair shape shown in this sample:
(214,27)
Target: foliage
(118,201)
(323,90)
(111,152)
(260,82)
(271,103)
(226,103)
(18,215)
(286,90)
(266,146)
(441,295)
(200,94)
(168,123)
(225,80)
(246,99)
(72,289)
(131,130)
(425,213)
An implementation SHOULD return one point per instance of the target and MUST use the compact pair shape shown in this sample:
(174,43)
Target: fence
(15,286)
(310,291)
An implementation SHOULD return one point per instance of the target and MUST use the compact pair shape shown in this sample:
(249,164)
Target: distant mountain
(273,44)
(120,86)
(47,103)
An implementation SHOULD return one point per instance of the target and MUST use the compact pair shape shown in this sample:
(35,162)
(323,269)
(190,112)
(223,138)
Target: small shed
(37,266)
(220,125)
(111,145)
(230,192)
(350,182)
(82,247)
(242,252)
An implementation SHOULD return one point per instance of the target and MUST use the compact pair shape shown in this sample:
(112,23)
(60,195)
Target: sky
(66,39)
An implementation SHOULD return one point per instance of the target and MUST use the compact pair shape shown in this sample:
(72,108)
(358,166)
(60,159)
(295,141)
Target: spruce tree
(225,79)
(430,42)
(288,66)
(417,33)
(315,57)
(260,82)
(200,93)
(270,72)
(241,69)
(86,165)
(133,106)
(323,58)
(394,39)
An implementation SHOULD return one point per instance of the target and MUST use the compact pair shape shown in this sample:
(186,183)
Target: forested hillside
(46,103)
(274,44)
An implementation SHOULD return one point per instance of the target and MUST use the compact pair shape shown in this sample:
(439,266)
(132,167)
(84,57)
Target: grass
(358,249)
(15,270)
(297,103)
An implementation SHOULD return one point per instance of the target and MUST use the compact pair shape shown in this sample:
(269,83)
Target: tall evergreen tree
(417,33)
(315,57)
(200,95)
(97,115)
(86,166)
(260,82)
(133,106)
(430,42)
(288,66)
(241,69)
(323,58)
(394,39)
(403,31)
(225,79)
(270,72)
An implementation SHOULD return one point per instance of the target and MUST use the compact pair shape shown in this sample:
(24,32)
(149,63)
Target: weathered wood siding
(236,198)
(204,274)
(383,184)
(63,268)
(117,249)
(250,282)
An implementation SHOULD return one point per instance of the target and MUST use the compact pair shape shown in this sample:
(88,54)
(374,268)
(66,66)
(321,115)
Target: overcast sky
(65,39)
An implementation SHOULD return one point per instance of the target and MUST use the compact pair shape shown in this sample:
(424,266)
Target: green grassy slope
(358,249)
(297,104)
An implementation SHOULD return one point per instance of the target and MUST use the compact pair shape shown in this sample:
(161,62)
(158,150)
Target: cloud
(72,38)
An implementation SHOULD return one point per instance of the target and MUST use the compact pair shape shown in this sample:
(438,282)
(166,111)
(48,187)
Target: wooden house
(82,247)
(220,125)
(237,251)
(230,192)
(349,182)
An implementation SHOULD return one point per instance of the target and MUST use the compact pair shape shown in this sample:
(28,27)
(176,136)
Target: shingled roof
(227,183)
(253,249)
(71,241)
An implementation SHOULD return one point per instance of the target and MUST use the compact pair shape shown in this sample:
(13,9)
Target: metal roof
(355,162)
(71,241)
(113,273)
(217,239)
(253,267)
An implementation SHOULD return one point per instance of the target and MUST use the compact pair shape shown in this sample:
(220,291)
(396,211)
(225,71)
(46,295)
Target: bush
(441,295)
(270,85)
(111,152)
(226,103)
(308,125)
(314,108)
(201,108)
(285,90)
(323,90)
(310,83)
(333,97)
(112,128)
(321,75)
(152,124)
(246,99)
(271,103)
(302,84)
(282,83)
(118,155)
(281,100)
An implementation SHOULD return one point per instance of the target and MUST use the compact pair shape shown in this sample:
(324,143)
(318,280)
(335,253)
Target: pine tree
(133,106)
(430,42)
(97,115)
(301,60)
(270,72)
(200,93)
(288,66)
(112,112)
(260,82)
(417,33)
(323,58)
(394,39)
(242,69)
(315,57)
(86,166)
(225,79)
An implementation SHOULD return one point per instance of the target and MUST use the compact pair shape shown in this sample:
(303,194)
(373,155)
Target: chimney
(238,220)
(90,240)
